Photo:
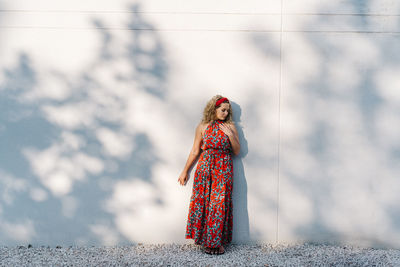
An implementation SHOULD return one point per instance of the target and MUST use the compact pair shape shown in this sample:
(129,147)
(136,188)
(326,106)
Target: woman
(210,211)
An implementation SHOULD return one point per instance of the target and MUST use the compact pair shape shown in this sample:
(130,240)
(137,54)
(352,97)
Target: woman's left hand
(226,129)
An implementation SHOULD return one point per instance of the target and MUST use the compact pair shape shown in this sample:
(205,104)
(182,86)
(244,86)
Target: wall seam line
(279,126)
(90,11)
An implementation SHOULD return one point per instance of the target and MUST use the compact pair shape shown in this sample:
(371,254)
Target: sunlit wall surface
(99,101)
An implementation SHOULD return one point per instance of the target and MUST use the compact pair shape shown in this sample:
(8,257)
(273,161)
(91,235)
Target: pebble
(192,255)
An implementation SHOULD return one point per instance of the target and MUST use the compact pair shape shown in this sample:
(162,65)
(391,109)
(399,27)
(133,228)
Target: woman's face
(222,111)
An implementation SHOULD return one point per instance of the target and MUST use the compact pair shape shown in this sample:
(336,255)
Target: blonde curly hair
(209,113)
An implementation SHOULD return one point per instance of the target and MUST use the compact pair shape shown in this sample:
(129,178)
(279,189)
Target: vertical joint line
(279,125)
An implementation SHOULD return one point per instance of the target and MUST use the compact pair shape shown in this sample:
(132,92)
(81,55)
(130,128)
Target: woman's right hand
(183,178)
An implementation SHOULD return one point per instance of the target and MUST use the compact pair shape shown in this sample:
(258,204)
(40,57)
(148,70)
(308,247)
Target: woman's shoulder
(202,126)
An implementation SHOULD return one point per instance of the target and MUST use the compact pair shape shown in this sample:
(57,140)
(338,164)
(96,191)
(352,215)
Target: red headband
(221,101)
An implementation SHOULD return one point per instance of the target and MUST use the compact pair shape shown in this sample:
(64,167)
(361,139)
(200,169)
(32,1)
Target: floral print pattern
(210,210)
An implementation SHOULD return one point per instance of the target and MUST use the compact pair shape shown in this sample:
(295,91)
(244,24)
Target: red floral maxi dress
(210,211)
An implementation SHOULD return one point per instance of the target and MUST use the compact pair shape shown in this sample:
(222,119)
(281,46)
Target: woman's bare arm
(193,156)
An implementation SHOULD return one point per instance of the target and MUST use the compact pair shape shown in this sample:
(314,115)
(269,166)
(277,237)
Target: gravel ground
(192,255)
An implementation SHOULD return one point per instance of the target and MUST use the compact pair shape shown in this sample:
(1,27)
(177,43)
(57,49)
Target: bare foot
(218,251)
(208,250)
(214,251)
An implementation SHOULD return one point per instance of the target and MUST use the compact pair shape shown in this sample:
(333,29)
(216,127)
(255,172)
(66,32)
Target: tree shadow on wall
(330,170)
(63,155)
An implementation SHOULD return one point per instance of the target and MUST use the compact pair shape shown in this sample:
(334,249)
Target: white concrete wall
(99,101)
